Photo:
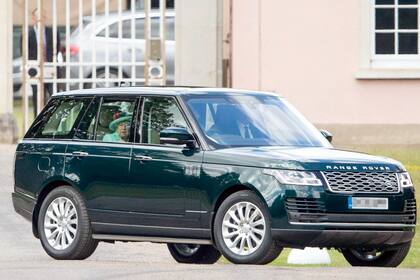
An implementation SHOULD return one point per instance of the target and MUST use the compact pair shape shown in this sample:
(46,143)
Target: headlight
(292,177)
(404,180)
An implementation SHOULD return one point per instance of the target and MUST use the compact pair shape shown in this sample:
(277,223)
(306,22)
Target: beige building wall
(309,52)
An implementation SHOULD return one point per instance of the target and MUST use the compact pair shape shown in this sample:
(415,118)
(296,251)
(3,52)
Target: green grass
(410,157)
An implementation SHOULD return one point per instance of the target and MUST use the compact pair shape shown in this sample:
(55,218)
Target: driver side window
(159,113)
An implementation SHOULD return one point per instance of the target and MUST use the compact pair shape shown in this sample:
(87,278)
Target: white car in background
(92,39)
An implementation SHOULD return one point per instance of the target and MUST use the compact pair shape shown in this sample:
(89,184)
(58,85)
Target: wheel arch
(45,190)
(225,194)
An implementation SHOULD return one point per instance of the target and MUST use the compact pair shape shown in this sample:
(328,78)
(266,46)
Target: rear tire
(191,253)
(387,258)
(242,230)
(64,226)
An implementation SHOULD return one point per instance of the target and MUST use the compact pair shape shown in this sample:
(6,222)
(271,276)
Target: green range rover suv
(209,172)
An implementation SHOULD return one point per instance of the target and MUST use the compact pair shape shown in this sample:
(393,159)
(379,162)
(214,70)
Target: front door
(164,177)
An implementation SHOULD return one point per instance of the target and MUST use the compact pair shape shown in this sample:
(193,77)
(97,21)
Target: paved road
(22,257)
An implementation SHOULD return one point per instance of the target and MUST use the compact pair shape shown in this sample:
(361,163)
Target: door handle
(142,158)
(80,154)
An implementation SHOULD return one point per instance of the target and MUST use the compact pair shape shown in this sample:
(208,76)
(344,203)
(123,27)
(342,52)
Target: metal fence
(105,44)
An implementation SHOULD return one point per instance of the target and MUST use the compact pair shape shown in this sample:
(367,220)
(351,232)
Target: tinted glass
(385,43)
(126,29)
(384,19)
(159,113)
(42,119)
(86,129)
(408,43)
(384,2)
(407,19)
(407,2)
(139,29)
(115,120)
(155,23)
(253,120)
(60,124)
(170,30)
(113,31)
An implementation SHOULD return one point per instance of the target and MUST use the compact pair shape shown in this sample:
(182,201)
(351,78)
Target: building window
(396,27)
(395,35)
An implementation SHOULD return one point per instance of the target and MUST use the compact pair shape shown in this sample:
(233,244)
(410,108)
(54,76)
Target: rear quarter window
(59,118)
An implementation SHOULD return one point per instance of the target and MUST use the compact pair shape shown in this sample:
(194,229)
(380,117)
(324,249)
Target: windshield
(252,120)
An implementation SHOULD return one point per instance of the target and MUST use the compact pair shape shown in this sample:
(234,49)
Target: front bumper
(342,238)
(314,217)
(24,205)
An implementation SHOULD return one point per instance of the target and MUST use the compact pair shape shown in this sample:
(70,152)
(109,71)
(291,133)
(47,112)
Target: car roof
(163,90)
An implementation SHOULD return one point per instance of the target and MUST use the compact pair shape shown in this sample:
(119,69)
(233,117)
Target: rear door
(99,156)
(40,155)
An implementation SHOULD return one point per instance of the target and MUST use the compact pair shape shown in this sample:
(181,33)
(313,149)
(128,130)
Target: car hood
(303,158)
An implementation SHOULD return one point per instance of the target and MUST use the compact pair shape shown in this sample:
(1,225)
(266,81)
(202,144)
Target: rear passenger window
(42,119)
(61,122)
(115,120)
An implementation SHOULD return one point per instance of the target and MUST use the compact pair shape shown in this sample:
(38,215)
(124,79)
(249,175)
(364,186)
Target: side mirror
(177,136)
(327,135)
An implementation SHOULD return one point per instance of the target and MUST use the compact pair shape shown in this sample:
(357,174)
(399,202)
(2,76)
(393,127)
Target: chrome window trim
(77,142)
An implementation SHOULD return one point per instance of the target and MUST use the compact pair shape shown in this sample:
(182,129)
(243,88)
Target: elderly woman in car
(120,127)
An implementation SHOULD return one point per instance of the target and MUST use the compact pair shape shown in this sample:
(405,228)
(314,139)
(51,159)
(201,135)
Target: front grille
(362,182)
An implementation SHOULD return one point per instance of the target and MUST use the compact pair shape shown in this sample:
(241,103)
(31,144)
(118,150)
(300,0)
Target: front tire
(64,226)
(192,253)
(242,230)
(378,258)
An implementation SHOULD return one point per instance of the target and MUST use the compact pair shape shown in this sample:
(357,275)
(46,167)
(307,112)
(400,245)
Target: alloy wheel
(60,223)
(243,228)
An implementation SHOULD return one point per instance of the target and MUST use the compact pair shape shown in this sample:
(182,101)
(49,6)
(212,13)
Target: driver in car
(120,127)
